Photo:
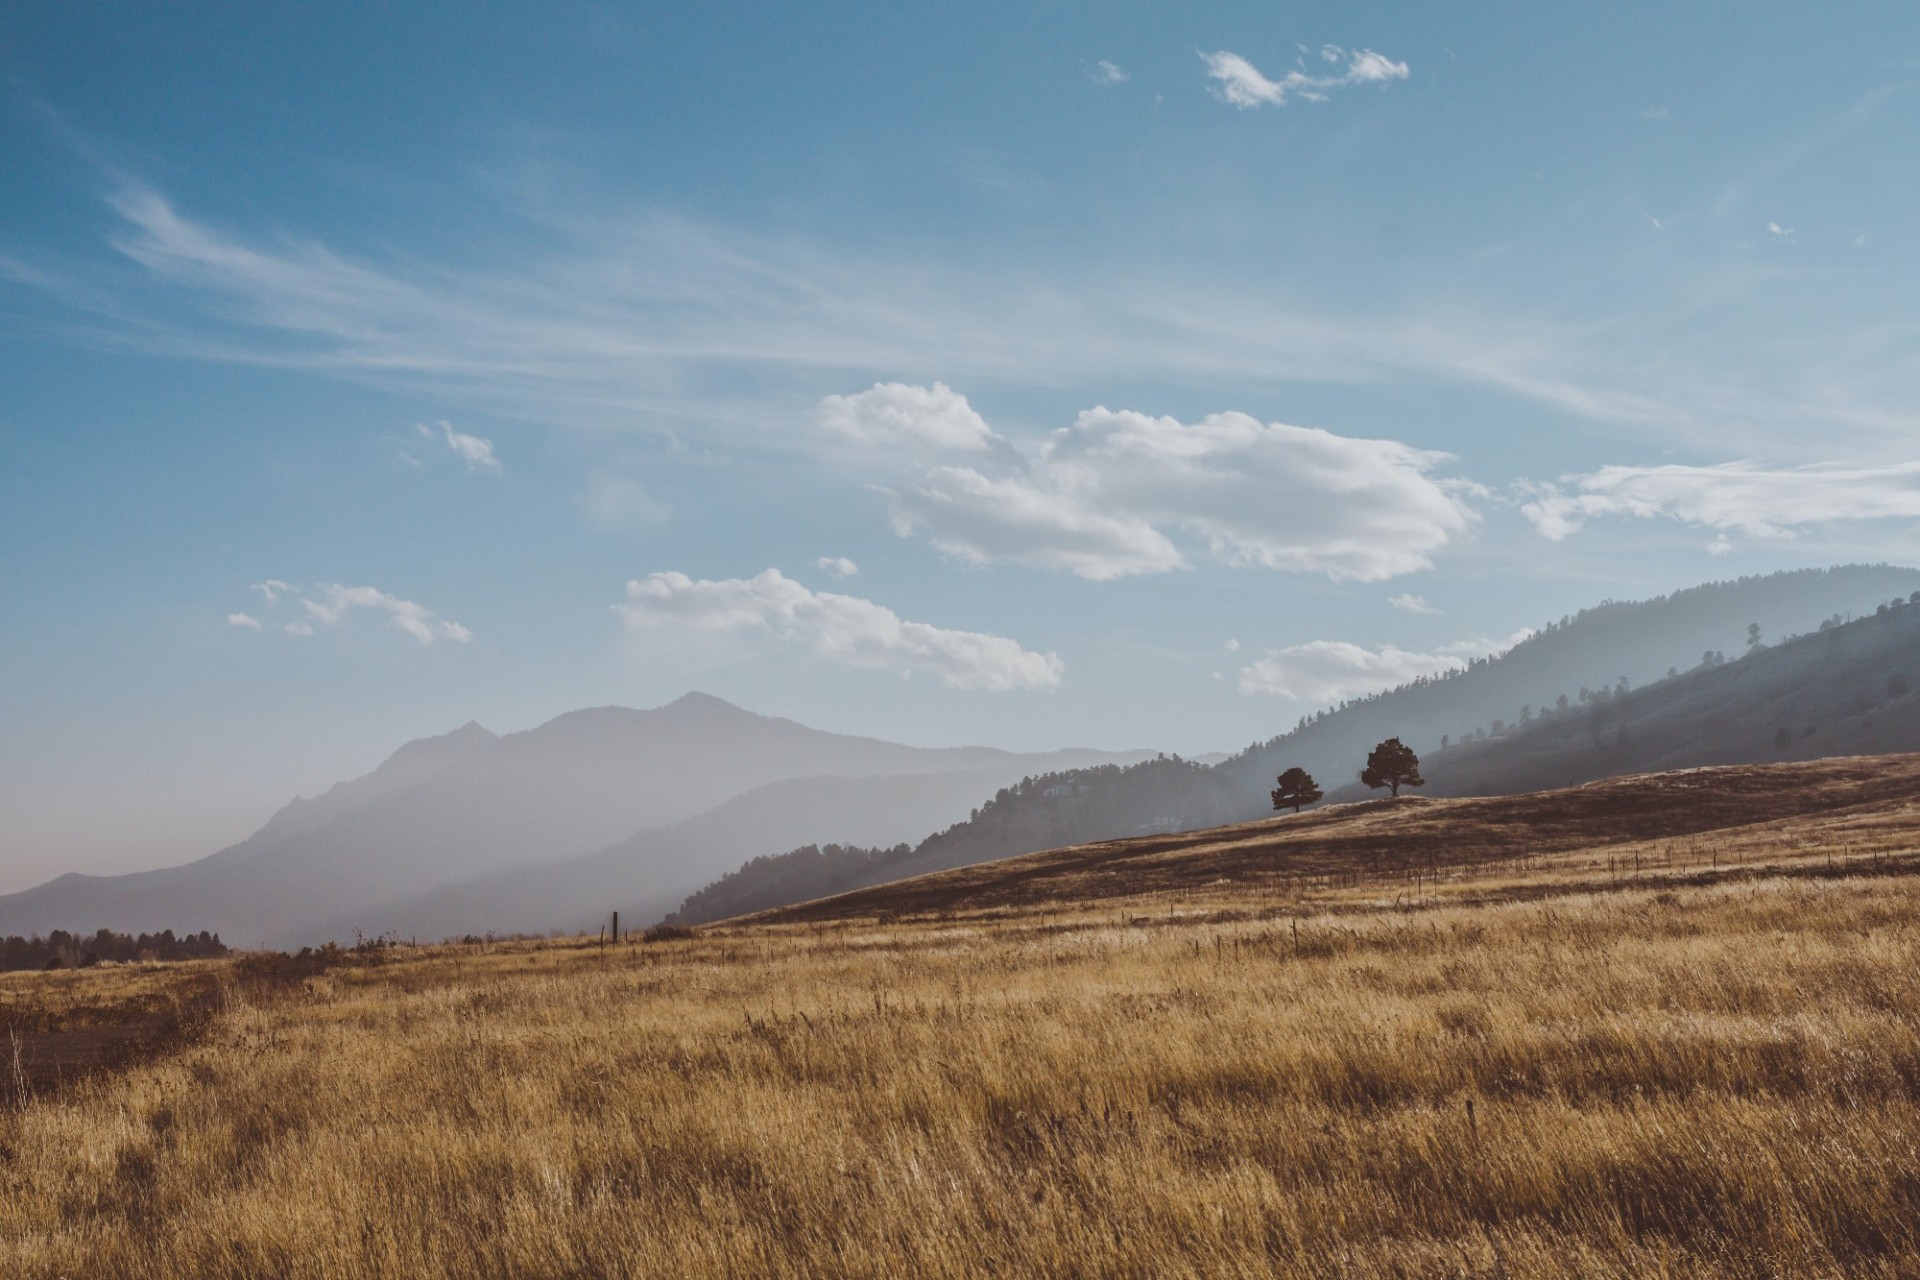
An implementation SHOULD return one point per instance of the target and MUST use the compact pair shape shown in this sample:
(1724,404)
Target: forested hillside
(1574,667)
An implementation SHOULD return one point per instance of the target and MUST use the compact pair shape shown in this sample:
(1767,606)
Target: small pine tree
(1296,788)
(1393,765)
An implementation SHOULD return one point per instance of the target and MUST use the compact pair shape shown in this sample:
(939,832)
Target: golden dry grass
(1527,1074)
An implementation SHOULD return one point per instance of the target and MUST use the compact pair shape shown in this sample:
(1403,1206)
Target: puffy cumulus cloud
(839,628)
(476,452)
(1410,603)
(1240,83)
(838,566)
(331,604)
(899,413)
(1023,521)
(1329,670)
(1099,498)
(244,620)
(1729,497)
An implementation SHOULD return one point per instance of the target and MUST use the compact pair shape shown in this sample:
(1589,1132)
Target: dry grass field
(1535,1061)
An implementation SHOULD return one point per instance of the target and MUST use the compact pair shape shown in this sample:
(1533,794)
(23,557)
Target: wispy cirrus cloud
(843,629)
(657,323)
(1104,498)
(1239,83)
(1108,73)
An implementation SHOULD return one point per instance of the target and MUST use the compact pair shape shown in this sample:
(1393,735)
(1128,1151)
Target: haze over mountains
(469,805)
(1728,713)
(616,809)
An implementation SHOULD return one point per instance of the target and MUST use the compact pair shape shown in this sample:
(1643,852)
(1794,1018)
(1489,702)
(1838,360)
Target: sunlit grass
(1653,1080)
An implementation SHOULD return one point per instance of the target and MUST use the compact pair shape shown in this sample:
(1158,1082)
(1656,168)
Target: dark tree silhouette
(1297,788)
(1392,764)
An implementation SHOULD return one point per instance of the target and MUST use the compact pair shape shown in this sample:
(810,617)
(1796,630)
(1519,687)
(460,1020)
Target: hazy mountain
(1843,691)
(413,763)
(1596,649)
(468,805)
(646,875)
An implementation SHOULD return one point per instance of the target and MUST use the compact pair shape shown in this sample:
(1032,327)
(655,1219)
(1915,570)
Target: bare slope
(1386,836)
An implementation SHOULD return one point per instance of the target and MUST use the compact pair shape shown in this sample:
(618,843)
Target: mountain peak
(695,701)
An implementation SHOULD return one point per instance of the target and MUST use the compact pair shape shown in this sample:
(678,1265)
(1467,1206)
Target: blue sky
(1161,373)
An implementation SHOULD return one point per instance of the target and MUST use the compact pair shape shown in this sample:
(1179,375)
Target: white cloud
(984,520)
(1329,670)
(898,413)
(1720,546)
(1242,85)
(331,605)
(1105,72)
(1483,647)
(842,629)
(1099,498)
(475,452)
(1232,646)
(1410,603)
(1742,497)
(615,503)
(334,602)
(838,566)
(1779,232)
(635,321)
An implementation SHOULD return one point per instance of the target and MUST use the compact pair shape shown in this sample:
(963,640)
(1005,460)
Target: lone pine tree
(1392,764)
(1296,788)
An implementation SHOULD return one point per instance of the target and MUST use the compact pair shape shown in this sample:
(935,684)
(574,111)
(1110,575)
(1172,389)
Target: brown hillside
(1870,799)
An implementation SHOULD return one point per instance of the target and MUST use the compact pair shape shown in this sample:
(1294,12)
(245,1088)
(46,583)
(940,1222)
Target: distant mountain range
(1726,709)
(596,810)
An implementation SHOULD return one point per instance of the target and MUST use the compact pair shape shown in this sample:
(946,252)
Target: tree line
(63,950)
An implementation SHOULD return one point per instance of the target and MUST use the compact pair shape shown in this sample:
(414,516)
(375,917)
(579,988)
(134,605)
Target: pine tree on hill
(1296,788)
(1392,764)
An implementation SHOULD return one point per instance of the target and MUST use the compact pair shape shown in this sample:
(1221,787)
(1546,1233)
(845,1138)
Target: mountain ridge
(468,804)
